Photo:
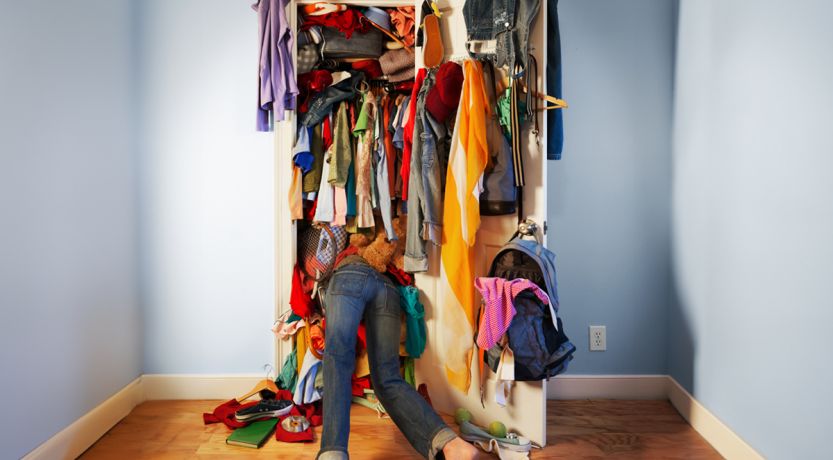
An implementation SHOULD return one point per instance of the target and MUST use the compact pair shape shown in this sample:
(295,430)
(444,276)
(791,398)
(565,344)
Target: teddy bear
(378,251)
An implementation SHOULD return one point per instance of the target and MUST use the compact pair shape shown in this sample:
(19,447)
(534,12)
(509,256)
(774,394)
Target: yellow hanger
(559,103)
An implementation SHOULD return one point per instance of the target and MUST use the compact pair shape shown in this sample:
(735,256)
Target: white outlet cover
(598,338)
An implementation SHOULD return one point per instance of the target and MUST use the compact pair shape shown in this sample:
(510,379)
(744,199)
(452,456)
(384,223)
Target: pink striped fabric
(498,306)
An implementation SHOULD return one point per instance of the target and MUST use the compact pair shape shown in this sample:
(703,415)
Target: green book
(253,435)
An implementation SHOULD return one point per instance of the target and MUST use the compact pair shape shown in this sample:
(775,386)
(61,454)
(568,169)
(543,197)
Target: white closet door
(526,411)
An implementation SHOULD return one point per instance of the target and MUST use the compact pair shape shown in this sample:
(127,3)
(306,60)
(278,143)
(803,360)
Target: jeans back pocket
(348,283)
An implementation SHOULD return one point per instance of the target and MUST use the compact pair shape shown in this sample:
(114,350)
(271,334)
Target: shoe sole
(512,447)
(432,53)
(270,414)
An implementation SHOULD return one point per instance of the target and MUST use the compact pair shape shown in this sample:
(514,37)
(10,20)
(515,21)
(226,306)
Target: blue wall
(609,207)
(70,325)
(753,219)
(208,197)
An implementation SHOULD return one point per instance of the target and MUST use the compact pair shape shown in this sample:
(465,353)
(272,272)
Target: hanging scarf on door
(461,216)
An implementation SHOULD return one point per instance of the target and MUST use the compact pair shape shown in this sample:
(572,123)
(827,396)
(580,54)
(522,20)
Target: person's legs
(346,298)
(423,428)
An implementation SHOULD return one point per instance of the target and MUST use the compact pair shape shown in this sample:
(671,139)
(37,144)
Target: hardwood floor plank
(590,429)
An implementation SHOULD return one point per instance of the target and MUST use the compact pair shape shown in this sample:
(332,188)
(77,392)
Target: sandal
(432,50)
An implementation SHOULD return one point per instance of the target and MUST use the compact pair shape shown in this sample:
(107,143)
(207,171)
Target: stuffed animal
(378,251)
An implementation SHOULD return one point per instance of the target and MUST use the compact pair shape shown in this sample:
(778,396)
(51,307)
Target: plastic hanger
(265,384)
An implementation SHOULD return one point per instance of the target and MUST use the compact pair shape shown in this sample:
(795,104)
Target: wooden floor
(577,430)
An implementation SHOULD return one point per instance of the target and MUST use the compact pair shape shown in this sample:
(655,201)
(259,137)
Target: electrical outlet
(598,338)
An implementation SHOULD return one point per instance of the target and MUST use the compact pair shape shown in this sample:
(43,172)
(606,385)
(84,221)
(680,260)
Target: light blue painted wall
(70,327)
(208,191)
(753,219)
(609,202)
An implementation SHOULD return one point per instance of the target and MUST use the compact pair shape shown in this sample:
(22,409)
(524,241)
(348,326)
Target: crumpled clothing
(288,377)
(316,340)
(285,330)
(498,306)
(306,392)
(312,412)
(299,299)
(359,384)
(400,276)
(289,436)
(402,18)
(414,320)
(347,21)
(408,371)
(301,154)
(224,413)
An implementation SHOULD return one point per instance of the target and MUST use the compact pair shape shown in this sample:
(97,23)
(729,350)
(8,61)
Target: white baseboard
(608,387)
(73,440)
(720,436)
(196,386)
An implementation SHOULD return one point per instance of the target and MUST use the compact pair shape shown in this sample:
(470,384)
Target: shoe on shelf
(473,433)
(266,408)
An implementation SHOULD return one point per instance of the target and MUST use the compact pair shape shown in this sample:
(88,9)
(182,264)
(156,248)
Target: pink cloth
(498,306)
(340,215)
(402,19)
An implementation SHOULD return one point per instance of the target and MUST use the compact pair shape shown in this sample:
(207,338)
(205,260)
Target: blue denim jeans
(499,30)
(357,291)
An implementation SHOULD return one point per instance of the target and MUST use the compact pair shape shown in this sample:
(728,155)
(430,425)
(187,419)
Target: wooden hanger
(557,103)
(264,384)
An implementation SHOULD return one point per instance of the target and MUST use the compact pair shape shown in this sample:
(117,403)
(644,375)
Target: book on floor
(253,435)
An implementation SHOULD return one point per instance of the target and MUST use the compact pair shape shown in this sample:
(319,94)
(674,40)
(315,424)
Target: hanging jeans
(357,291)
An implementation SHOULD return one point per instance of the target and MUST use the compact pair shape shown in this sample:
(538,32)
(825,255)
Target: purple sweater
(277,88)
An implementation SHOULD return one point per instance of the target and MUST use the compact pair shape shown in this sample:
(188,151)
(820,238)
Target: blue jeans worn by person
(357,291)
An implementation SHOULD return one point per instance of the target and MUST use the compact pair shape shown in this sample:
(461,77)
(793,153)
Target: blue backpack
(536,334)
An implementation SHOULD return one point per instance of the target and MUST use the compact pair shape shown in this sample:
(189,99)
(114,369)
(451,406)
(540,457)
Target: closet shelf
(384,3)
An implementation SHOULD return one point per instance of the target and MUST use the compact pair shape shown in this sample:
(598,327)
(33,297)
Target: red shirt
(408,133)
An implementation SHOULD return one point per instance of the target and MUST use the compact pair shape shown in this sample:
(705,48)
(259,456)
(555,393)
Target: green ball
(462,415)
(497,430)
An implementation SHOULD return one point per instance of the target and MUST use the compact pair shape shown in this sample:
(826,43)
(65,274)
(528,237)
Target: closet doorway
(526,411)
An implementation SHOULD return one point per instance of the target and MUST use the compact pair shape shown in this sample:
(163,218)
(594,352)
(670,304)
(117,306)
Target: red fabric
(224,413)
(299,300)
(423,391)
(309,211)
(370,67)
(405,169)
(360,384)
(348,251)
(404,86)
(312,83)
(288,436)
(400,276)
(312,412)
(444,97)
(362,335)
(327,134)
(347,21)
